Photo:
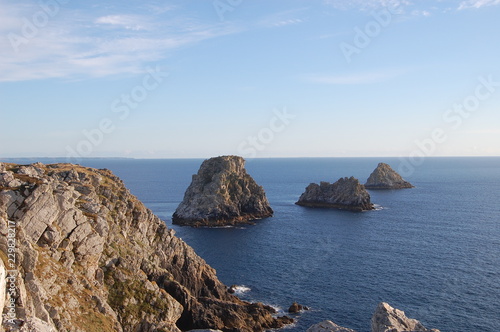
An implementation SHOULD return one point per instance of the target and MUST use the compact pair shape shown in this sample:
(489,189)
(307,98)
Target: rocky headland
(345,194)
(222,193)
(91,257)
(384,319)
(384,177)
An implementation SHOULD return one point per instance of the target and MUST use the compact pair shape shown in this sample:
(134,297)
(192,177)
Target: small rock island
(345,194)
(384,177)
(222,194)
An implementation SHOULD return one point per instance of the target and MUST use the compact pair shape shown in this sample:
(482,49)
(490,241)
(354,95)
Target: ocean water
(432,251)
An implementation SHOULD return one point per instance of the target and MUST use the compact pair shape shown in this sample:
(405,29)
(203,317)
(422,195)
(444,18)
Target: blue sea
(432,251)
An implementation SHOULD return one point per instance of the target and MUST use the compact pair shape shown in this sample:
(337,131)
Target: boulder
(295,308)
(389,319)
(345,194)
(328,326)
(384,177)
(221,194)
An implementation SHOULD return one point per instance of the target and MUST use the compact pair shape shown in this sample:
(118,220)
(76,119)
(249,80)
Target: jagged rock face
(222,193)
(384,177)
(91,257)
(389,319)
(328,326)
(345,194)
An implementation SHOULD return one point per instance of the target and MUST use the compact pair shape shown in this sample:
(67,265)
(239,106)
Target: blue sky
(192,78)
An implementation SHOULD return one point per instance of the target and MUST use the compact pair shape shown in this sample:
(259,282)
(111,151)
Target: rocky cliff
(384,319)
(345,194)
(384,177)
(222,193)
(91,257)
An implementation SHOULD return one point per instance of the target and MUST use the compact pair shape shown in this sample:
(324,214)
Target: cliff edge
(91,257)
(222,193)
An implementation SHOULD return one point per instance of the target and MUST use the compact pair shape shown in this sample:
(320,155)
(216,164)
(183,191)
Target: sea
(432,251)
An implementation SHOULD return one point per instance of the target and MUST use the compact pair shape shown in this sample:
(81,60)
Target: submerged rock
(328,326)
(222,193)
(345,194)
(389,319)
(91,256)
(384,177)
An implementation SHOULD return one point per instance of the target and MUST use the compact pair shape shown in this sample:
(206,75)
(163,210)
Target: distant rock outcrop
(295,308)
(384,319)
(389,319)
(328,326)
(384,177)
(91,257)
(222,193)
(345,194)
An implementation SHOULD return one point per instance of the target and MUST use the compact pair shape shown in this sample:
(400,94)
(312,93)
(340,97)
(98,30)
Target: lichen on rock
(222,193)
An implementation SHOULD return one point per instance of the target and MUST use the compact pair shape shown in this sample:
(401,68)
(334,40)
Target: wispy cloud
(281,19)
(75,44)
(356,78)
(477,4)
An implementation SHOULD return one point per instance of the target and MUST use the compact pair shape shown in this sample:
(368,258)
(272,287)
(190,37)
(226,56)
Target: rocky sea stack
(221,194)
(345,194)
(384,177)
(89,256)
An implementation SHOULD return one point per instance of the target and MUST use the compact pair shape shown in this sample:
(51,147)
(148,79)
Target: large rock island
(345,194)
(221,194)
(89,256)
(384,177)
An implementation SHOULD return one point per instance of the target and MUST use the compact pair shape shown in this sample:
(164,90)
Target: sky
(274,78)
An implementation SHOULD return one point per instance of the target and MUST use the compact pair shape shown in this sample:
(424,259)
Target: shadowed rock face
(345,194)
(389,319)
(384,177)
(222,193)
(91,257)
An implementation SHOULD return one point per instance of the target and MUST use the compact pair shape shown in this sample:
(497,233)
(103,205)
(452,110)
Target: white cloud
(477,3)
(128,22)
(74,44)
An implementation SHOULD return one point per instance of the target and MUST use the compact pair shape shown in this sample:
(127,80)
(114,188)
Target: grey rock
(8,180)
(389,319)
(222,193)
(384,177)
(2,167)
(345,194)
(328,326)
